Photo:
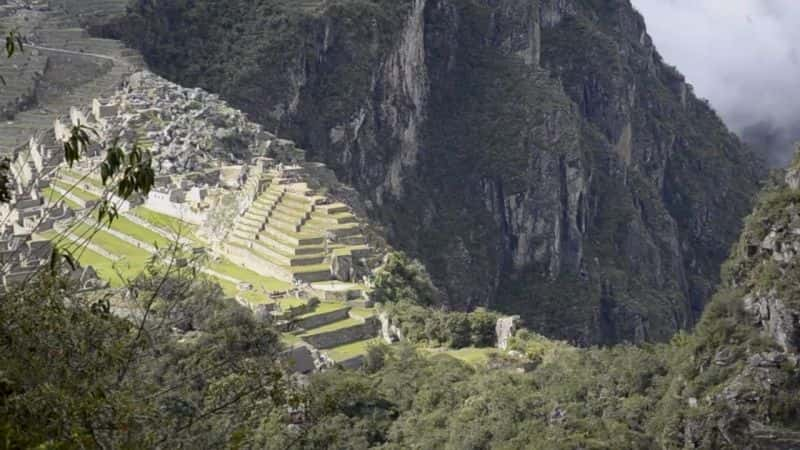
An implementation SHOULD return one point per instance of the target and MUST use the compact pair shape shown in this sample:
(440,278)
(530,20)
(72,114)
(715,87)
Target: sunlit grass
(351,350)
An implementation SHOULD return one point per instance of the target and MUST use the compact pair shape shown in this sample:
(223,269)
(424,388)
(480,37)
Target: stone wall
(353,363)
(322,319)
(300,359)
(389,333)
(180,211)
(246,258)
(344,336)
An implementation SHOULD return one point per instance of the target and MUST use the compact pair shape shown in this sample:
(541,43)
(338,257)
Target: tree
(168,362)
(401,278)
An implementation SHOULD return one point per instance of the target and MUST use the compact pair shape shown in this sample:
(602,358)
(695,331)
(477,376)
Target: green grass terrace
(52,196)
(473,356)
(351,350)
(168,223)
(259,282)
(341,324)
(105,267)
(78,176)
(76,191)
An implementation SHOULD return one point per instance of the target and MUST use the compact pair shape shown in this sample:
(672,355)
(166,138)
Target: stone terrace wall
(322,319)
(335,338)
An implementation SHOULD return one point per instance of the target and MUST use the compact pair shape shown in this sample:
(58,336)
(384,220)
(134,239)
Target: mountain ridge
(538,156)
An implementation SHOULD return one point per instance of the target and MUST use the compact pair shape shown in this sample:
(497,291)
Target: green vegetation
(163,221)
(403,279)
(140,233)
(540,394)
(264,32)
(76,191)
(53,196)
(439,327)
(73,375)
(176,365)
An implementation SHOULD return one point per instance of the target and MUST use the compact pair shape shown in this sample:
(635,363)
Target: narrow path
(73,52)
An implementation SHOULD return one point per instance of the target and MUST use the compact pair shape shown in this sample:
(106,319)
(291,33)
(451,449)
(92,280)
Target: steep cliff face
(537,155)
(735,383)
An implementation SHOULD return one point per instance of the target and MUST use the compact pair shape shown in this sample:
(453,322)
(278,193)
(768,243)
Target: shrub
(403,278)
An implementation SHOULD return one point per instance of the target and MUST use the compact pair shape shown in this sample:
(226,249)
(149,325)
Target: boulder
(342,267)
(389,333)
(793,178)
(777,318)
(505,329)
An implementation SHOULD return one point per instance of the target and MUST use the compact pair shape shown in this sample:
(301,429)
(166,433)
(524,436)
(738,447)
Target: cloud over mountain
(744,56)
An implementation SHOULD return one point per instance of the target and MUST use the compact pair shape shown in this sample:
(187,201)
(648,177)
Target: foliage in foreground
(167,363)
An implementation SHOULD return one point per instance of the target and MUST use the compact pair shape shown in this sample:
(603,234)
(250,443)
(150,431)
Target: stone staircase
(293,231)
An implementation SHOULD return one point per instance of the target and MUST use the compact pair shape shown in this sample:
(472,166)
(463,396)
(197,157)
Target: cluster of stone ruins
(250,199)
(246,192)
(244,188)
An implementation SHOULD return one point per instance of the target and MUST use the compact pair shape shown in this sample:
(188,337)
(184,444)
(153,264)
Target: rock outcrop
(505,329)
(537,155)
(740,375)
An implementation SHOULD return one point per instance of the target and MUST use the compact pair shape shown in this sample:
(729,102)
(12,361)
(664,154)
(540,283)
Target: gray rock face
(342,267)
(751,402)
(505,329)
(538,156)
(780,322)
(389,332)
(793,178)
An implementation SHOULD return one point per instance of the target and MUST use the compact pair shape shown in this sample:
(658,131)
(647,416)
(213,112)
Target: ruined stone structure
(299,234)
(250,197)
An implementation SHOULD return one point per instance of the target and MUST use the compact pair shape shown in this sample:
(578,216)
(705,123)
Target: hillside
(538,156)
(733,383)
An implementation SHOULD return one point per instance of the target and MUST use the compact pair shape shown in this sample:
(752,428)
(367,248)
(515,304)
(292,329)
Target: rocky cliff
(537,155)
(735,383)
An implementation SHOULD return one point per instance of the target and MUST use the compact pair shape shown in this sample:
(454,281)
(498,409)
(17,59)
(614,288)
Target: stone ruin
(22,256)
(211,161)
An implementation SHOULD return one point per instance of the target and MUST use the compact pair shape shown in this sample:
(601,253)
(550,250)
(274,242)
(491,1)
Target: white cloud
(743,55)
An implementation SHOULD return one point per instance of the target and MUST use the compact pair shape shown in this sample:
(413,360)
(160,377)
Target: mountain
(538,156)
(738,373)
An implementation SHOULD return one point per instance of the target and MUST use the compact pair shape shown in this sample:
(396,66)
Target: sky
(743,56)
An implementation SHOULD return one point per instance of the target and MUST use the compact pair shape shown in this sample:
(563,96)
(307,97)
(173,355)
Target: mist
(743,56)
